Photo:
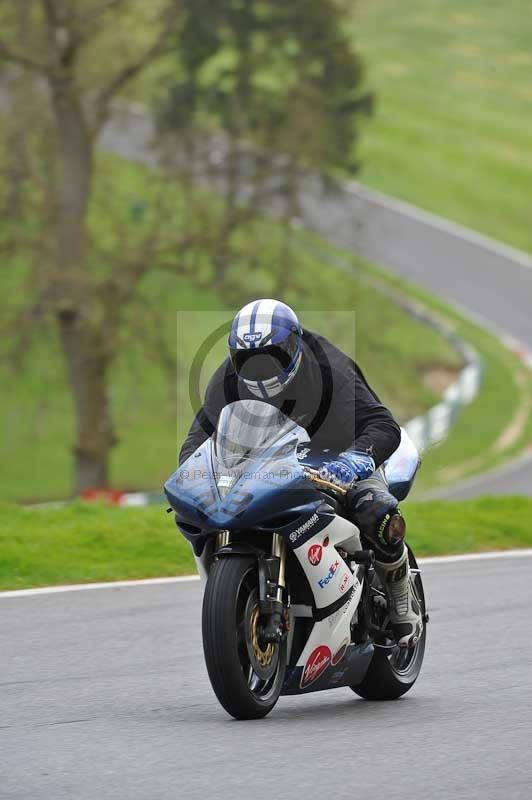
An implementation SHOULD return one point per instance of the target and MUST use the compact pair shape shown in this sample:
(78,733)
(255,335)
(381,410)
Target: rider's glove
(350,466)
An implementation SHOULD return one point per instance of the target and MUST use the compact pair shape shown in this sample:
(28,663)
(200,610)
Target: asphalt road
(104,695)
(457,264)
(511,479)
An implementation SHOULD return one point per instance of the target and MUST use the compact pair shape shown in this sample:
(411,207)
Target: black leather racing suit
(332,400)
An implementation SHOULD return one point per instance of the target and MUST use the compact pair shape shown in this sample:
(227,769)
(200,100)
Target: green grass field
(453,125)
(452,130)
(452,133)
(151,413)
(486,432)
(86,543)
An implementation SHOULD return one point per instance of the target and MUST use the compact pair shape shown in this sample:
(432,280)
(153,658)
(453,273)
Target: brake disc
(263,656)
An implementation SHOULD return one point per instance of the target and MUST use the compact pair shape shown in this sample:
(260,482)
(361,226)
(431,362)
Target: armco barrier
(433,427)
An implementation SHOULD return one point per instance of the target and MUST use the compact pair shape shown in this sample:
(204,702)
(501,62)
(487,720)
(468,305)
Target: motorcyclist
(273,358)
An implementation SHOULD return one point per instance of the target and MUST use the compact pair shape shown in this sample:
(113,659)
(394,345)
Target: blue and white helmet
(265,345)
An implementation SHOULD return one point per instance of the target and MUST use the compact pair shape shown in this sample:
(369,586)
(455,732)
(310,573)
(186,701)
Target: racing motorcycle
(292,602)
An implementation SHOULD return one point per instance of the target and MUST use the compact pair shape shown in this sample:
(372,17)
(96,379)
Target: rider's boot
(405,614)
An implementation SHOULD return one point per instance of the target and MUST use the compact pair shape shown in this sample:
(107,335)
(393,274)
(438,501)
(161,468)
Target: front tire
(394,671)
(246,675)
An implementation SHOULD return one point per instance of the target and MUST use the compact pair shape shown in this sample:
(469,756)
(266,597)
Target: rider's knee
(377,514)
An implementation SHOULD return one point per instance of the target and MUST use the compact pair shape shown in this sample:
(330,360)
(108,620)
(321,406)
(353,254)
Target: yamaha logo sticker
(294,536)
(307,529)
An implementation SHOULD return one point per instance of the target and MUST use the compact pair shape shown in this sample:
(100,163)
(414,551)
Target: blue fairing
(250,473)
(245,476)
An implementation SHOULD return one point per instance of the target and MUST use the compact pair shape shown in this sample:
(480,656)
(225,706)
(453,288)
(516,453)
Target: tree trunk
(84,345)
(87,375)
(72,193)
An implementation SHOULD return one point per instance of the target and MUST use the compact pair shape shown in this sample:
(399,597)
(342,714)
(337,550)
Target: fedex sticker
(330,575)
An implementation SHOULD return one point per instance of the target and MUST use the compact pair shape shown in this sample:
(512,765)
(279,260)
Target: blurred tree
(263,91)
(82,54)
(283,86)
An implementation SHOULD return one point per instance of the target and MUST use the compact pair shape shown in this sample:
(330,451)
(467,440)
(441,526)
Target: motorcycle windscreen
(246,473)
(251,430)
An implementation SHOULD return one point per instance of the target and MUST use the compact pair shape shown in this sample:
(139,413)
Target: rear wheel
(394,670)
(246,673)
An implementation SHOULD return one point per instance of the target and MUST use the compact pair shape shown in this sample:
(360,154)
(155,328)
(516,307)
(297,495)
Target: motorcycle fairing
(350,670)
(308,523)
(329,659)
(315,543)
(245,475)
(263,491)
(401,468)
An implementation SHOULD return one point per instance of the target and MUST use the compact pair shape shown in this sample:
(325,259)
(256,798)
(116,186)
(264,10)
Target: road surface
(104,694)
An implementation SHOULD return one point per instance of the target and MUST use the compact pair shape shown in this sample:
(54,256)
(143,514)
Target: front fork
(271,585)
(272,570)
(222,539)
(279,551)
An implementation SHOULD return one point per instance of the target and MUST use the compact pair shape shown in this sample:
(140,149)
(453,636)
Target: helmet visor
(262,363)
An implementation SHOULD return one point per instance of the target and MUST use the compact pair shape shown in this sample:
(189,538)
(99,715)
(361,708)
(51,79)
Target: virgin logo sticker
(314,554)
(317,663)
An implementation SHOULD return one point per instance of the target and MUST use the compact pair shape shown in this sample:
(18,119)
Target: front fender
(239,549)
(268,570)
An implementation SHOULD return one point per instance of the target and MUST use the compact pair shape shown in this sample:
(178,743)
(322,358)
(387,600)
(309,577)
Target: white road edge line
(83,587)
(485,556)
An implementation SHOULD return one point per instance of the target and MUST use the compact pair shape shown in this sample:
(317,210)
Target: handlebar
(314,476)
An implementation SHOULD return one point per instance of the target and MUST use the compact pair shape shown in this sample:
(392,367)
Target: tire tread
(219,644)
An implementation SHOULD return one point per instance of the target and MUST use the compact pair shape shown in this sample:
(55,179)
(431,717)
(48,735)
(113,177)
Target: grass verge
(451,131)
(90,542)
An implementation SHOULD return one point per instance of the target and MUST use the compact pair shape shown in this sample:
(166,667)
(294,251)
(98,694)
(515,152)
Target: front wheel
(394,670)
(246,674)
